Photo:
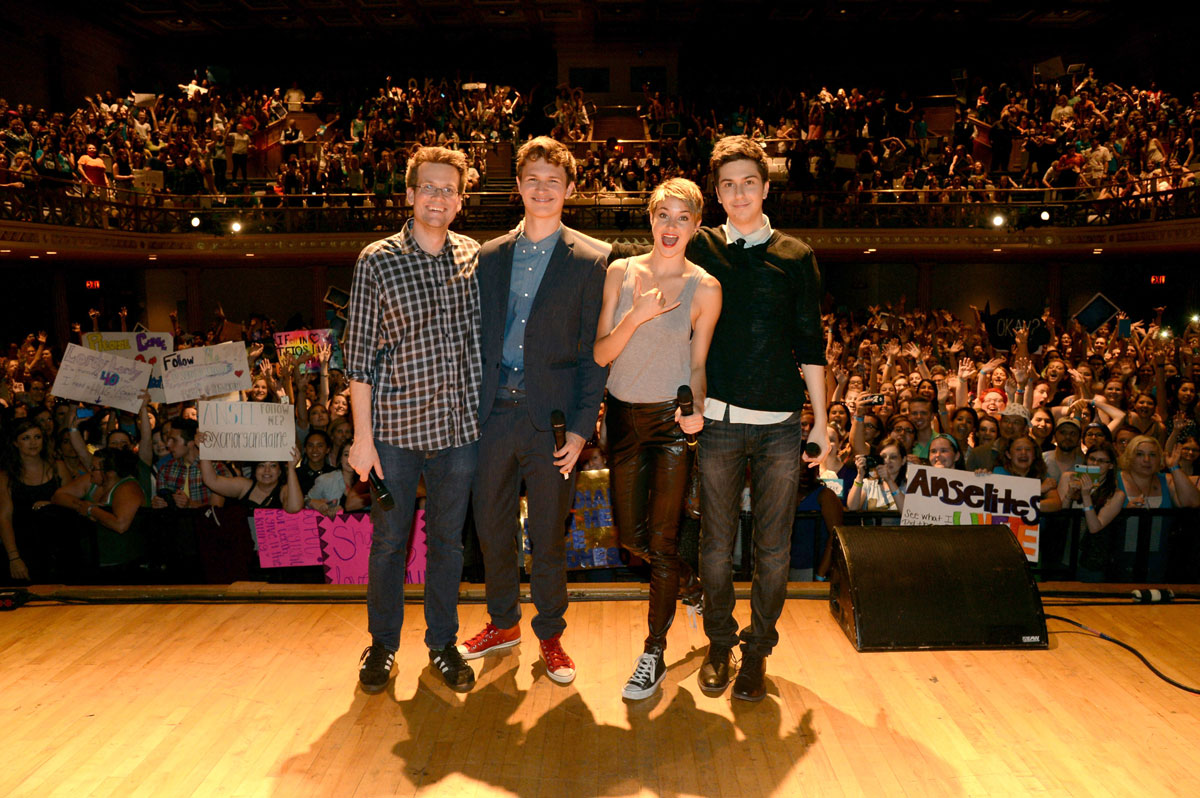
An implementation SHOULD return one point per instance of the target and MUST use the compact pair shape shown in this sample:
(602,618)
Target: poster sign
(341,544)
(302,345)
(248,431)
(205,371)
(959,498)
(144,345)
(591,534)
(287,539)
(101,378)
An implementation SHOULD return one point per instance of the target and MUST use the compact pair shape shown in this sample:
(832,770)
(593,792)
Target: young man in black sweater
(766,349)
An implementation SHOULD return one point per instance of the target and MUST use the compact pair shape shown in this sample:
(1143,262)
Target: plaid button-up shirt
(412,333)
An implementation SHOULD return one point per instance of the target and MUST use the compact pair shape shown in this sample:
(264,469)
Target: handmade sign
(249,431)
(302,345)
(960,498)
(287,539)
(591,534)
(101,378)
(205,371)
(146,346)
(346,547)
(341,544)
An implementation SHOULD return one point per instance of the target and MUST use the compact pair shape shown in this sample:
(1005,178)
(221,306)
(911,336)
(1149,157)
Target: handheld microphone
(558,424)
(685,400)
(812,449)
(383,496)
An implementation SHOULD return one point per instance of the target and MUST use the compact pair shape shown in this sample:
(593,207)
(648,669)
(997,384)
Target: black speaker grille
(896,588)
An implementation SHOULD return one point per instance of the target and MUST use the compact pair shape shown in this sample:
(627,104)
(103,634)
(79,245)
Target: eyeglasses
(430,190)
(905,430)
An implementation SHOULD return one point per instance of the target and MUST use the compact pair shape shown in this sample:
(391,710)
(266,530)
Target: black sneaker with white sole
(454,669)
(648,674)
(375,668)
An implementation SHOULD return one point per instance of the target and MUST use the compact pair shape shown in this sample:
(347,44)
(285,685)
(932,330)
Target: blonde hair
(679,188)
(1126,458)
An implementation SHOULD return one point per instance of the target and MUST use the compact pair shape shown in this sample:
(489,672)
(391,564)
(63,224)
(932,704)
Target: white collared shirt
(714,409)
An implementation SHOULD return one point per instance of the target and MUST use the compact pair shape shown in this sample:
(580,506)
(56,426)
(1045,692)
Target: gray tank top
(658,358)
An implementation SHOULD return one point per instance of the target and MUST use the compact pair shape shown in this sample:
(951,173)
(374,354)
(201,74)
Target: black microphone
(812,449)
(383,496)
(684,398)
(558,424)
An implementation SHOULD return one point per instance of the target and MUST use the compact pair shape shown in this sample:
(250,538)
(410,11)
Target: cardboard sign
(346,548)
(960,498)
(302,345)
(249,431)
(287,539)
(146,346)
(205,371)
(591,535)
(101,378)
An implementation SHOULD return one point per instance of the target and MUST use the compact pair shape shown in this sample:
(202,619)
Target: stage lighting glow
(195,221)
(1045,216)
(997,221)
(236,227)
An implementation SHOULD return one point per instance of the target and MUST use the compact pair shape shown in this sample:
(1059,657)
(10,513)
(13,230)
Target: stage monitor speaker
(896,588)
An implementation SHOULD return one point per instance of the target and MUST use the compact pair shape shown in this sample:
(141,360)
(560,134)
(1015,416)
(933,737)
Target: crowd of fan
(92,494)
(1072,136)
(201,137)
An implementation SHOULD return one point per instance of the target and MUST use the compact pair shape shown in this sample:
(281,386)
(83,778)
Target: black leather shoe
(716,671)
(750,684)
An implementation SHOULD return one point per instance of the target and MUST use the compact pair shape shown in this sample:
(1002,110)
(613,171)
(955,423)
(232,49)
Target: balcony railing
(73,205)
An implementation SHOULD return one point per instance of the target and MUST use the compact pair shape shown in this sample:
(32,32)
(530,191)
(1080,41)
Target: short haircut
(186,427)
(544,148)
(738,148)
(679,188)
(437,155)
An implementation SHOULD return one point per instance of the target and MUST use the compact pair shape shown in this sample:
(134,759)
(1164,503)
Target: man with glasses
(412,356)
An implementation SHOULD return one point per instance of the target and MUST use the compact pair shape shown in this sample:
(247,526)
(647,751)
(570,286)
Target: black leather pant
(648,474)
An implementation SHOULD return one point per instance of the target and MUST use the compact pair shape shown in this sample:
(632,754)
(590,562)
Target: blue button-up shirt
(530,259)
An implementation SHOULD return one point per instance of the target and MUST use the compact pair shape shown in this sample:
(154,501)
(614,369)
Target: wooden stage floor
(261,699)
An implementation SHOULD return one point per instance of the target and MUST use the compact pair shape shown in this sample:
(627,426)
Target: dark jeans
(239,165)
(648,476)
(510,450)
(448,474)
(773,453)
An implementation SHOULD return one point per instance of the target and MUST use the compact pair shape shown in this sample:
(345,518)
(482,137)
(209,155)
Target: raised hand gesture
(649,303)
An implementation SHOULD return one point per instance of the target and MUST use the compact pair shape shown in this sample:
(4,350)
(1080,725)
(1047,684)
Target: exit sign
(1158,279)
(92,284)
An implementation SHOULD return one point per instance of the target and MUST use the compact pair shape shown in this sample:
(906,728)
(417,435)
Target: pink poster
(287,539)
(346,542)
(414,573)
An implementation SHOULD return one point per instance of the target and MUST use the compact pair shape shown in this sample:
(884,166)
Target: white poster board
(940,496)
(248,431)
(205,371)
(101,378)
(146,346)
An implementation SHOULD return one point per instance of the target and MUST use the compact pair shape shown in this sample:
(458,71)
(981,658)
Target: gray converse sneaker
(648,674)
